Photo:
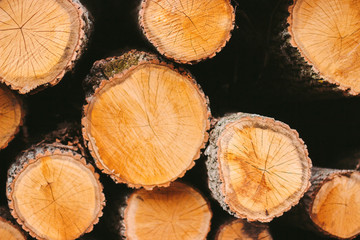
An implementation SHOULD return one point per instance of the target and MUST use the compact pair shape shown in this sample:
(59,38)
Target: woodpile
(128,146)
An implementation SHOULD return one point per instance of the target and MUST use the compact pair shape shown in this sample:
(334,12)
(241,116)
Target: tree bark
(258,168)
(52,192)
(42,40)
(145,122)
(187,31)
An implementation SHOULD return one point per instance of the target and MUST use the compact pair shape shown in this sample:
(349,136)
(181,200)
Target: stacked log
(176,212)
(258,168)
(241,229)
(41,41)
(8,230)
(187,31)
(145,121)
(11,115)
(52,191)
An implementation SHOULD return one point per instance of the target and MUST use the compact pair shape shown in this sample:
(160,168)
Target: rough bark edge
(319,177)
(253,226)
(306,60)
(86,27)
(31,156)
(125,203)
(162,52)
(5,216)
(215,178)
(16,99)
(103,72)
(294,69)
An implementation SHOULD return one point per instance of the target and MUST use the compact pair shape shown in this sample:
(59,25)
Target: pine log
(326,34)
(52,192)
(11,115)
(40,41)
(187,31)
(145,121)
(176,212)
(332,202)
(8,230)
(241,229)
(258,168)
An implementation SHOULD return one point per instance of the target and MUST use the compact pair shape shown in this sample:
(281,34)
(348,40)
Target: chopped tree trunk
(8,230)
(326,34)
(40,41)
(187,31)
(145,122)
(52,192)
(176,212)
(332,202)
(241,229)
(258,168)
(11,115)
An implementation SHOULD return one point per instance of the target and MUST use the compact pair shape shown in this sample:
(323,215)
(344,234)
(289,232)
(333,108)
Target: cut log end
(241,229)
(146,126)
(11,116)
(55,195)
(9,232)
(176,212)
(336,208)
(40,41)
(263,166)
(326,32)
(185,30)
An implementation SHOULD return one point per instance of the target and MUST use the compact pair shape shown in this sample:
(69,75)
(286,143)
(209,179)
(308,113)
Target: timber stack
(145,122)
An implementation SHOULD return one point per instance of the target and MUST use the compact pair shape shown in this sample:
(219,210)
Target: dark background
(247,76)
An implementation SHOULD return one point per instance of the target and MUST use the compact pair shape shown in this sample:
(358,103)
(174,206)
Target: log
(241,229)
(8,230)
(145,121)
(326,33)
(332,202)
(52,192)
(11,115)
(258,168)
(176,212)
(40,41)
(187,31)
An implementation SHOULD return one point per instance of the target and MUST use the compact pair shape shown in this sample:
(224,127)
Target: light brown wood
(258,167)
(145,125)
(239,229)
(185,30)
(8,231)
(178,212)
(53,193)
(333,202)
(40,40)
(11,115)
(327,33)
